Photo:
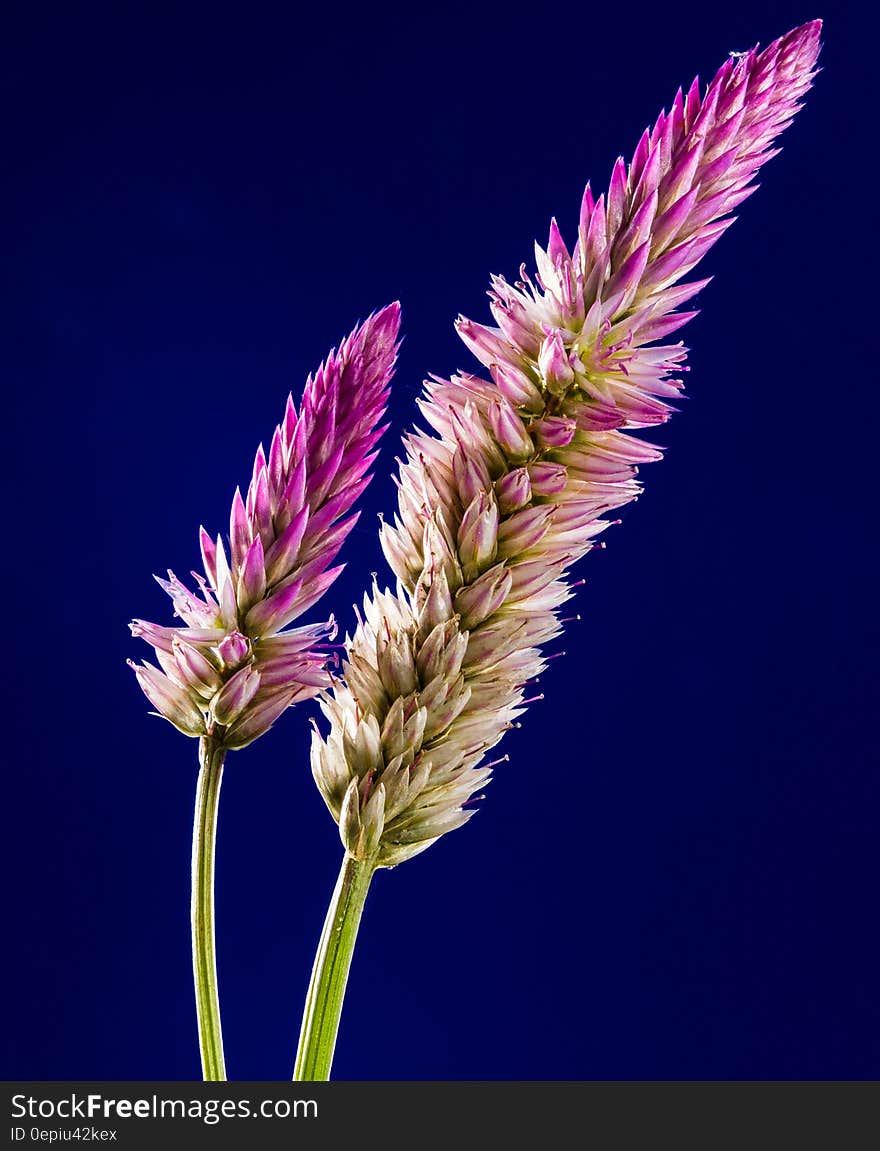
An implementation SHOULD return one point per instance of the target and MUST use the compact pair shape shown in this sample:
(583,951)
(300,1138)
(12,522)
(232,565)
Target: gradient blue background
(676,874)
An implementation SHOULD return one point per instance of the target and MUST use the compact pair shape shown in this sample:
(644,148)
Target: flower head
(521,470)
(230,669)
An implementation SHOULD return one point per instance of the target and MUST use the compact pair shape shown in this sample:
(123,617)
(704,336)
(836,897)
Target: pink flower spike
(492,515)
(284,535)
(660,216)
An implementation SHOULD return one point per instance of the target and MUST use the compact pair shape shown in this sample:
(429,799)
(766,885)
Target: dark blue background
(676,874)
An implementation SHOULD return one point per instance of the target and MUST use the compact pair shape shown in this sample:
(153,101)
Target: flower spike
(229,670)
(520,471)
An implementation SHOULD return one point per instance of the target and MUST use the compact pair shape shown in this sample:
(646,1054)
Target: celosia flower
(230,669)
(515,483)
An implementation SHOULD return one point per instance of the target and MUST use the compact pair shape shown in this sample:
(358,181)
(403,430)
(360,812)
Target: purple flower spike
(513,479)
(226,672)
(579,330)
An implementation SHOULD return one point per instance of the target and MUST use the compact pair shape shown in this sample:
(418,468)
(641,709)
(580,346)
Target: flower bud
(232,649)
(476,602)
(172,702)
(396,665)
(478,534)
(361,823)
(554,364)
(433,652)
(547,479)
(365,683)
(509,432)
(402,557)
(372,822)
(330,771)
(350,828)
(513,491)
(437,605)
(471,474)
(439,550)
(524,529)
(517,387)
(362,744)
(446,707)
(197,671)
(235,695)
(553,432)
(258,718)
(402,730)
(272,614)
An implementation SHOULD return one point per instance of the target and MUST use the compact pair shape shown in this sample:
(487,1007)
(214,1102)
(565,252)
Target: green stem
(320,1023)
(204,961)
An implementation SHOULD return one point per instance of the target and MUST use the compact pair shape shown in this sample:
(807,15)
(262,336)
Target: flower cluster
(514,483)
(230,670)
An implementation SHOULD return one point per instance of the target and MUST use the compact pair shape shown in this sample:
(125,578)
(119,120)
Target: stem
(204,961)
(323,1007)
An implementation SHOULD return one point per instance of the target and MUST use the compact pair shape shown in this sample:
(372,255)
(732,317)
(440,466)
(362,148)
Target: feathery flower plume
(230,670)
(512,487)
(515,482)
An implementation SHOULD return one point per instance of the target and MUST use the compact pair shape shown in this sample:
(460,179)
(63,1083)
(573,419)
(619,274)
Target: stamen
(494,763)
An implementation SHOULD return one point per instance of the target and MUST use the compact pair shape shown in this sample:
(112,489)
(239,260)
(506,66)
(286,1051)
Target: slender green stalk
(317,1040)
(204,961)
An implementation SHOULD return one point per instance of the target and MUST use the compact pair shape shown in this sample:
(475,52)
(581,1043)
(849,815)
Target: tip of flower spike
(390,312)
(386,320)
(804,39)
(808,31)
